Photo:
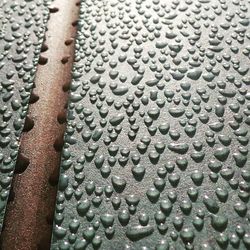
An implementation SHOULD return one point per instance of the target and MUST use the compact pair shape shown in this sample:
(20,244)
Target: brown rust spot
(33,98)
(28,125)
(21,164)
(65,59)
(44,47)
(69,41)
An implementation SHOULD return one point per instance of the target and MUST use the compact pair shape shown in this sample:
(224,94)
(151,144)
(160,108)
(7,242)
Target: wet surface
(156,146)
(157,138)
(22,28)
(29,214)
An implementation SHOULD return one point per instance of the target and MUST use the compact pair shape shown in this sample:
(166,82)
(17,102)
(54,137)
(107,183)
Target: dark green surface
(156,148)
(22,29)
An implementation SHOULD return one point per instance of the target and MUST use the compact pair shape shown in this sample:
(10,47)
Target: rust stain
(29,217)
